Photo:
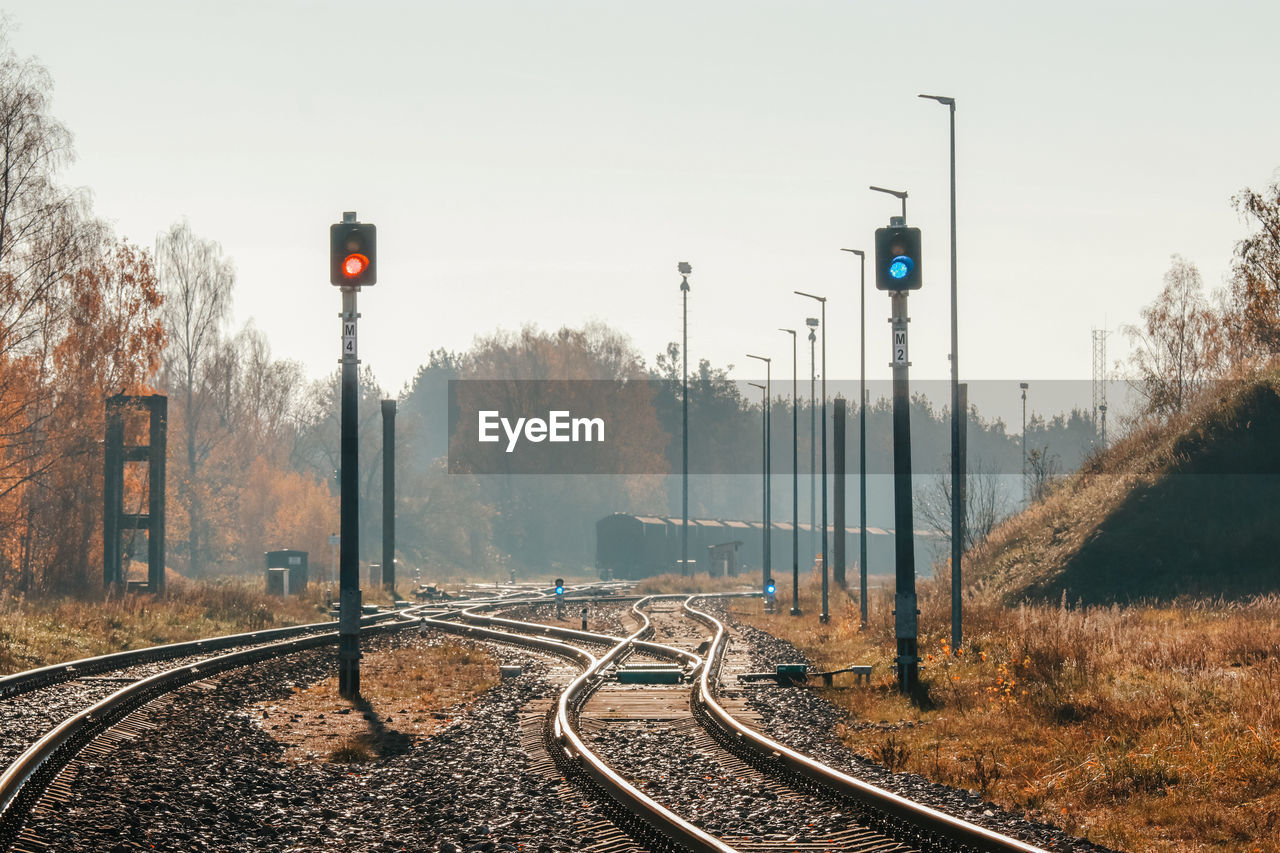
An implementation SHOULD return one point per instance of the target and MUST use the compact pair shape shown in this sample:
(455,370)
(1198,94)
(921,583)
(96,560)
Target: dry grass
(672,584)
(36,633)
(407,694)
(1029,552)
(1143,728)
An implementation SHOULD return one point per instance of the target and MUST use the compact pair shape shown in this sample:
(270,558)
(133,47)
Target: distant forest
(548,521)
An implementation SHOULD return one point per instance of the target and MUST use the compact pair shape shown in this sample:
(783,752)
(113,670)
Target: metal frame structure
(116,452)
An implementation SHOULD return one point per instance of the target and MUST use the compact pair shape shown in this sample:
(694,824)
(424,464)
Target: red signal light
(354,264)
(353,253)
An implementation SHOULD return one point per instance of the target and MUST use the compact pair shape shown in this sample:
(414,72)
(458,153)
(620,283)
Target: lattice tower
(1099,370)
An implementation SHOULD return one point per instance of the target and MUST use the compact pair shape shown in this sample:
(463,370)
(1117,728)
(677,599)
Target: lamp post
(768,464)
(764,488)
(1024,386)
(822,299)
(812,323)
(958,417)
(684,269)
(795,481)
(862,438)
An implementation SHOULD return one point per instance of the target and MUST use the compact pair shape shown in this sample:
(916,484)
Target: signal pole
(898,270)
(906,615)
(352,263)
(349,600)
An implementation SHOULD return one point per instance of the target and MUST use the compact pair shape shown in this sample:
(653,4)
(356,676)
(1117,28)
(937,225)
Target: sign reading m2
(559,426)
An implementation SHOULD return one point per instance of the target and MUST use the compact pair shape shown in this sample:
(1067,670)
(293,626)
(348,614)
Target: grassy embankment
(1143,728)
(1149,726)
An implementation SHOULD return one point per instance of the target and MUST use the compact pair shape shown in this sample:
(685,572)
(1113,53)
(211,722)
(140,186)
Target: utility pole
(812,323)
(862,435)
(795,480)
(389,496)
(826,556)
(837,497)
(1024,386)
(684,269)
(765,578)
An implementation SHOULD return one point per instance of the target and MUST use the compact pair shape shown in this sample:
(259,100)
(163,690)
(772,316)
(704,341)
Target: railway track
(49,715)
(638,766)
(765,796)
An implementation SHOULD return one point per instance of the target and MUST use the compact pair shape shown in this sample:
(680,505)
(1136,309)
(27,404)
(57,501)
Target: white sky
(550,162)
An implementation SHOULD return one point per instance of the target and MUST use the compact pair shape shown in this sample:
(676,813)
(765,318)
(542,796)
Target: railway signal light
(898,258)
(353,253)
(559,586)
(770,588)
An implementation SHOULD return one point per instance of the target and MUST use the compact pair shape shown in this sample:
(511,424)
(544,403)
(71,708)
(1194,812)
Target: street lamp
(764,489)
(812,323)
(957,416)
(768,463)
(684,269)
(1023,386)
(901,195)
(862,439)
(825,614)
(795,483)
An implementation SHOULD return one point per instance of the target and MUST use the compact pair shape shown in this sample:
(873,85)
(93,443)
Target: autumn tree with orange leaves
(79,320)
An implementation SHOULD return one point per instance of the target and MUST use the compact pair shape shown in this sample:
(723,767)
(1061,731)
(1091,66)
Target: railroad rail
(640,815)
(45,676)
(914,824)
(24,781)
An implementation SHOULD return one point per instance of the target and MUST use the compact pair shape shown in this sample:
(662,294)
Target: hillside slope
(1191,507)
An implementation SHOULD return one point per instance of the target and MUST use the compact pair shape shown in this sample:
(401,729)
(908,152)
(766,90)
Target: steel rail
(623,792)
(661,649)
(45,676)
(59,745)
(931,820)
(567,740)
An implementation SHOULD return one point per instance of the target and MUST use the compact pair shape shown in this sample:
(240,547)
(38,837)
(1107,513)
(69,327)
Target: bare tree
(197,283)
(986,504)
(1044,473)
(1179,347)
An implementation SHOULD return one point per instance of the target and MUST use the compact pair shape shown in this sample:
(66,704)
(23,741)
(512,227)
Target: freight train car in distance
(639,546)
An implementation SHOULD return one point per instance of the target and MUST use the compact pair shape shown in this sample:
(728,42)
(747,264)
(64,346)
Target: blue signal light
(900,267)
(771,588)
(559,590)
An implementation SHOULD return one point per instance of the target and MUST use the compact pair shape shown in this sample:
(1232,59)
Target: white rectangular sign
(900,347)
(348,337)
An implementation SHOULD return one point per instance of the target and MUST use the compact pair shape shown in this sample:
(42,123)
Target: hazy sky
(550,162)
